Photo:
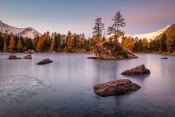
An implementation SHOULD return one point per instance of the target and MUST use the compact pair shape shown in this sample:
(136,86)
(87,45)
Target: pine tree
(19,45)
(146,46)
(171,39)
(163,42)
(80,42)
(5,36)
(118,22)
(52,44)
(144,41)
(12,43)
(5,47)
(151,45)
(59,42)
(64,41)
(55,40)
(1,42)
(123,41)
(135,49)
(140,46)
(99,26)
(75,42)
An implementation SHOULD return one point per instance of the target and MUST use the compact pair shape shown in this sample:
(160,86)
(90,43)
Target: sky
(78,16)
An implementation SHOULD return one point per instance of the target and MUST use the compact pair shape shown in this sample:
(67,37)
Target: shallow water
(65,87)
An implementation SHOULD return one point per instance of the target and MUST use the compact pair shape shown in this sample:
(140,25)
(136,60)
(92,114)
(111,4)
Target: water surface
(65,87)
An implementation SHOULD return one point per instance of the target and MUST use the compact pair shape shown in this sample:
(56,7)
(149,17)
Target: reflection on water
(65,87)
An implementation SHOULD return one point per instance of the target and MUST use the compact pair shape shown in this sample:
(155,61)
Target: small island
(105,51)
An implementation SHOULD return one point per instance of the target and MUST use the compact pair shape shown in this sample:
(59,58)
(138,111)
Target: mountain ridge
(166,32)
(24,32)
(149,36)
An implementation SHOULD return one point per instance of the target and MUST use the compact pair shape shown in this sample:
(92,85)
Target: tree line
(54,42)
(165,44)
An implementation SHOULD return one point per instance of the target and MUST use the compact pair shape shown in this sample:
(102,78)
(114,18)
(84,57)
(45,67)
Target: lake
(65,87)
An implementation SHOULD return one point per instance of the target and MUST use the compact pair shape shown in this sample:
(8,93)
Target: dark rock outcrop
(115,87)
(27,57)
(105,51)
(44,61)
(139,70)
(164,58)
(13,57)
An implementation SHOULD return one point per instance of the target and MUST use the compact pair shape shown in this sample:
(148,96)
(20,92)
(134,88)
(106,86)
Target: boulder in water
(27,57)
(139,70)
(13,57)
(164,58)
(115,87)
(44,61)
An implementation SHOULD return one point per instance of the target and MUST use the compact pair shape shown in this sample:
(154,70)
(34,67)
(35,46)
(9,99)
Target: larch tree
(40,44)
(12,43)
(36,41)
(5,47)
(118,22)
(52,44)
(123,41)
(69,41)
(99,26)
(129,44)
(144,41)
(19,45)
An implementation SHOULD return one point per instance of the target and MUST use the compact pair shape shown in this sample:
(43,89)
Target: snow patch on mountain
(149,36)
(24,32)
(152,35)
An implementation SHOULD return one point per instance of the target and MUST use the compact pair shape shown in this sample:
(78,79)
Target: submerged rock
(139,70)
(115,87)
(13,57)
(44,61)
(105,51)
(164,58)
(27,57)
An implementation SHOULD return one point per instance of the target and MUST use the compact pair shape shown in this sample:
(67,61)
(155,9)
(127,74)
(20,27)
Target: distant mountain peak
(149,36)
(164,29)
(24,32)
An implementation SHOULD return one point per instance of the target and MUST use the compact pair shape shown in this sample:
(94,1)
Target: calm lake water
(65,87)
